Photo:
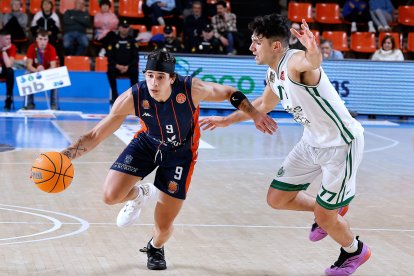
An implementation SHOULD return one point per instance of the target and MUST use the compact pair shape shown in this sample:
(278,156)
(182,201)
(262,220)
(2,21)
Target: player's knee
(110,198)
(325,218)
(274,200)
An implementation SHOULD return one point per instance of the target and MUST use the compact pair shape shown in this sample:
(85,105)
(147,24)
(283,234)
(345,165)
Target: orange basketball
(52,172)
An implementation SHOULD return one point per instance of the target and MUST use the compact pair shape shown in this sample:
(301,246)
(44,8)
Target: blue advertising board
(367,87)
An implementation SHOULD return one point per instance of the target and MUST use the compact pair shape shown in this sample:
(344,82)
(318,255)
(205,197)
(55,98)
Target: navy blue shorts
(175,168)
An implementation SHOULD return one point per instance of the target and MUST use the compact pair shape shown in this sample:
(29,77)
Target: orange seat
(406,15)
(317,36)
(299,11)
(94,7)
(78,63)
(363,42)
(131,8)
(36,5)
(101,64)
(396,36)
(328,13)
(6,8)
(157,29)
(410,44)
(339,39)
(66,5)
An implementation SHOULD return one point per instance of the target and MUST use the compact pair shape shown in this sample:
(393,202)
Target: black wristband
(236,98)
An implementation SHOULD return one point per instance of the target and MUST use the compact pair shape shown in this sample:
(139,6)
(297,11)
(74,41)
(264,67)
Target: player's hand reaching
(212,122)
(306,37)
(265,123)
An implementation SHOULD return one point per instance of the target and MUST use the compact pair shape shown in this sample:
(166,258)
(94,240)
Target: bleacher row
(329,14)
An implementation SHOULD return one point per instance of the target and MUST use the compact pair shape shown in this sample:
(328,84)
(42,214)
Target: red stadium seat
(101,64)
(157,29)
(363,42)
(66,5)
(78,63)
(131,8)
(299,11)
(328,13)
(406,15)
(396,36)
(339,39)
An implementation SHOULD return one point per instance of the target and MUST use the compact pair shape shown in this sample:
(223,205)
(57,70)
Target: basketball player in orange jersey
(332,144)
(168,108)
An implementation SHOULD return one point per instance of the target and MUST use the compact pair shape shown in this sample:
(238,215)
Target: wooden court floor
(225,227)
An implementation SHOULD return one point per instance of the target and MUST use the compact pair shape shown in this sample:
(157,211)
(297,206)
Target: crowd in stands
(116,30)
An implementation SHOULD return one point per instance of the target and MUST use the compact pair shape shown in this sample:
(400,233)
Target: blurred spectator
(15,22)
(48,20)
(1,21)
(224,25)
(381,13)
(160,8)
(105,24)
(187,6)
(207,43)
(294,42)
(7,55)
(75,23)
(328,52)
(357,11)
(41,55)
(122,55)
(388,51)
(167,40)
(193,26)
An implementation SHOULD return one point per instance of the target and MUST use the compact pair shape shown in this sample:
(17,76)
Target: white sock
(353,247)
(152,244)
(353,27)
(161,21)
(371,27)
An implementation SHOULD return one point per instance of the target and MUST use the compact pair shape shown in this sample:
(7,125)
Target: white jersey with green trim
(326,120)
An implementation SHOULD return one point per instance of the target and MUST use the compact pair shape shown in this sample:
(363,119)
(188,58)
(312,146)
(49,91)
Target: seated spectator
(15,22)
(193,26)
(357,11)
(160,8)
(294,42)
(381,13)
(224,25)
(122,55)
(328,52)
(105,23)
(48,20)
(187,7)
(167,40)
(41,55)
(75,23)
(207,43)
(388,51)
(7,55)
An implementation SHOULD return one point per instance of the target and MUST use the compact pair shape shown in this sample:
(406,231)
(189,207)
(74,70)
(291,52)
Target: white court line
(56,224)
(189,225)
(84,225)
(393,144)
(64,134)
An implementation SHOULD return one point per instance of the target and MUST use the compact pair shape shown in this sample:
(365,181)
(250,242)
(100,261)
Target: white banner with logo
(43,81)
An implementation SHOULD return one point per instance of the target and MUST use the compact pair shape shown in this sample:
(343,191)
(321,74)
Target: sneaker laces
(130,206)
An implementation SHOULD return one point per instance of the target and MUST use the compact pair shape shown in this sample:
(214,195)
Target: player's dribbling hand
(212,122)
(265,123)
(307,38)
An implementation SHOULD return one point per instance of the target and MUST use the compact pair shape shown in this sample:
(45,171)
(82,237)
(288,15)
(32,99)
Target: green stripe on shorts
(288,187)
(333,206)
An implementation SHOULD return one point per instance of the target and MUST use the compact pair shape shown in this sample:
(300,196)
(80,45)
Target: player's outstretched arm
(123,106)
(217,92)
(311,59)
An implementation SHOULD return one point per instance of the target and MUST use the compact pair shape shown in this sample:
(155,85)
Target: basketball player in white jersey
(332,143)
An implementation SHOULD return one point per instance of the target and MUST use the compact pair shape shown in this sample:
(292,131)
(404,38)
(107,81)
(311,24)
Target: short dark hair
(326,41)
(105,2)
(222,3)
(162,55)
(4,32)
(42,32)
(390,37)
(49,1)
(272,26)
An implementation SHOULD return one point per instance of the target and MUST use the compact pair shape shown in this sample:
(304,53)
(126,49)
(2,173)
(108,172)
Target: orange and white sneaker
(132,209)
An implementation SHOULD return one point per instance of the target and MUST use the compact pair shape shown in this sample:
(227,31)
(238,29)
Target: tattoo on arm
(246,106)
(75,150)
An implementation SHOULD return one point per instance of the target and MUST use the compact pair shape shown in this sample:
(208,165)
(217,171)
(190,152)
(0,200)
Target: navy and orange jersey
(171,125)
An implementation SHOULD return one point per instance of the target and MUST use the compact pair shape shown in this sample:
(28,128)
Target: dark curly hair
(272,26)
